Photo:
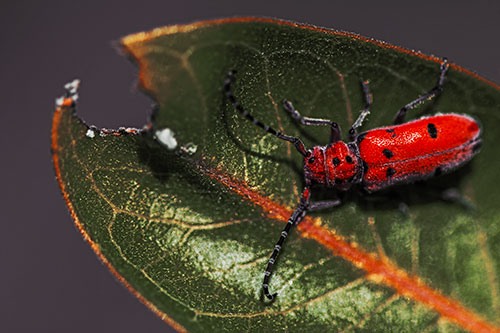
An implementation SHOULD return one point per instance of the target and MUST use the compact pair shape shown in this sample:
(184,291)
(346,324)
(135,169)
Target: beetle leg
(323,204)
(335,128)
(454,195)
(353,133)
(400,116)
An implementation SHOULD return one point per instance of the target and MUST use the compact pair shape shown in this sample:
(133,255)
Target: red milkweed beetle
(377,158)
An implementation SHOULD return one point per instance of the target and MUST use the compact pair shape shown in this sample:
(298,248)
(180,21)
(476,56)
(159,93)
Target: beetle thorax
(336,165)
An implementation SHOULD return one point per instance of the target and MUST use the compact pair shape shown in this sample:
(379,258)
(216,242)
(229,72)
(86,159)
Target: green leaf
(190,234)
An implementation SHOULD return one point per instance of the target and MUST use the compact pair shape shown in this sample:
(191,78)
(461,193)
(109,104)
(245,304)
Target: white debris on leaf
(103,132)
(189,148)
(59,101)
(72,86)
(166,137)
(90,133)
(71,92)
(129,130)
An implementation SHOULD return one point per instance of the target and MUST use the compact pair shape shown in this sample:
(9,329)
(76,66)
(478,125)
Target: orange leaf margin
(132,42)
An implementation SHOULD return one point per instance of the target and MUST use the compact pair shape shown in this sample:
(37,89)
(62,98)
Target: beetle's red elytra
(377,158)
(417,149)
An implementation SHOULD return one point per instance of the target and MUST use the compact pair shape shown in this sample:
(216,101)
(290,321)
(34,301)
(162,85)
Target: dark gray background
(51,280)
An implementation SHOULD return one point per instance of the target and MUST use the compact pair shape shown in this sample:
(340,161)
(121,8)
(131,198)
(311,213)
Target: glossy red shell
(417,149)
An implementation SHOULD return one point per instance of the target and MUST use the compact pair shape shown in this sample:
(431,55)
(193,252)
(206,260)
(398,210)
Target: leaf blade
(273,189)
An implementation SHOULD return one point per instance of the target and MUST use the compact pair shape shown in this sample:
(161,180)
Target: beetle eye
(311,160)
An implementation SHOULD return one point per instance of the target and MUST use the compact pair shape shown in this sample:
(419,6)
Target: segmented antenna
(227,88)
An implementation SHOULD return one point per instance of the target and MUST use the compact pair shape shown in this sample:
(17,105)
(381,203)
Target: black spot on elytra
(431,128)
(336,161)
(390,172)
(311,160)
(338,181)
(349,160)
(390,130)
(387,153)
(438,171)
